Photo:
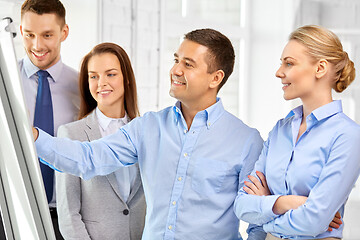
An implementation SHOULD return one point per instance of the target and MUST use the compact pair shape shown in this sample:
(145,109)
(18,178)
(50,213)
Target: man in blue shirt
(193,156)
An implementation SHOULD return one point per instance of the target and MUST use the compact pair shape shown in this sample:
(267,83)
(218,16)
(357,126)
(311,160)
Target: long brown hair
(88,103)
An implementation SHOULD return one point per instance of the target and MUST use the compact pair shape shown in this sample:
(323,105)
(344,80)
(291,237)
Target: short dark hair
(221,55)
(45,6)
(87,102)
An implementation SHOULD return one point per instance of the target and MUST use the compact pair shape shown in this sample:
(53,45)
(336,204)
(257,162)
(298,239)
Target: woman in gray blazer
(105,207)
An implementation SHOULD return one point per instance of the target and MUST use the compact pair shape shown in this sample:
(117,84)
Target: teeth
(177,82)
(287,84)
(39,54)
(104,92)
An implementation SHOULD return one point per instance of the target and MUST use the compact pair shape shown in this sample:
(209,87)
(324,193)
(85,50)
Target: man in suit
(43,29)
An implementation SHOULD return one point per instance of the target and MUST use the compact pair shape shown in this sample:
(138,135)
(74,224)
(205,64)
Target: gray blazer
(94,209)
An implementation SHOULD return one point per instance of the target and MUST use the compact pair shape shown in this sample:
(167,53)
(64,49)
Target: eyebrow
(109,70)
(48,31)
(285,58)
(186,58)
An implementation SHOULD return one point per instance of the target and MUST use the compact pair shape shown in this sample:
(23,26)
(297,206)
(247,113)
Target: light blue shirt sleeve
(251,208)
(252,152)
(99,157)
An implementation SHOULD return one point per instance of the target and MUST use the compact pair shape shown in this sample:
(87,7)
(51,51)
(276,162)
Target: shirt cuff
(42,141)
(267,206)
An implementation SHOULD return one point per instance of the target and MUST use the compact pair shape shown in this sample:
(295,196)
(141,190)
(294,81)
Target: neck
(310,104)
(190,110)
(113,111)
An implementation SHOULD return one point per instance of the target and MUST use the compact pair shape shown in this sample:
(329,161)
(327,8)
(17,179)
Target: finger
(249,191)
(255,181)
(337,221)
(334,225)
(329,229)
(251,186)
(262,178)
(337,215)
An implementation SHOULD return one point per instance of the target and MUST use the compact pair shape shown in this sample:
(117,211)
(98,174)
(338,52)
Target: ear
(217,79)
(21,30)
(64,32)
(321,68)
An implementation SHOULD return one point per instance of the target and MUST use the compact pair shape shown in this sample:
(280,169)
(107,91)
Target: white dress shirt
(124,176)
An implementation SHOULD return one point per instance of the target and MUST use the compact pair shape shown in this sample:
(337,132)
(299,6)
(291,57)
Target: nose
(38,43)
(176,70)
(102,81)
(280,73)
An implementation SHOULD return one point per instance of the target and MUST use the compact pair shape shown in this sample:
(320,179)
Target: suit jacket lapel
(137,184)
(92,127)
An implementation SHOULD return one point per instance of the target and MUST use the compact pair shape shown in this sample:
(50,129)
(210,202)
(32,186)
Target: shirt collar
(320,113)
(211,113)
(54,71)
(104,121)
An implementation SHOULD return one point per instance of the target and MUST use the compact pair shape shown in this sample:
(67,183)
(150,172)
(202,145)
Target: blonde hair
(324,44)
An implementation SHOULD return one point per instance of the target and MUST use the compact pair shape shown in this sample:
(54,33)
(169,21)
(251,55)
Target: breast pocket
(208,176)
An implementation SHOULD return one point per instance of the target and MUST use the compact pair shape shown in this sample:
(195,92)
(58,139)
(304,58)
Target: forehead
(104,61)
(193,50)
(294,49)
(31,21)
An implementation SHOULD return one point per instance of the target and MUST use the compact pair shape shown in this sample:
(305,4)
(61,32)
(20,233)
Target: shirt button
(185,131)
(179,178)
(126,212)
(193,132)
(174,203)
(209,124)
(185,154)
(310,118)
(170,227)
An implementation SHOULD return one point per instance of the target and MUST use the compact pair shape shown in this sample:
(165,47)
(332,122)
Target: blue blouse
(323,165)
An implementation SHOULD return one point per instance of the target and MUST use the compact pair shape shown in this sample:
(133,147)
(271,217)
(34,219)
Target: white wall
(82,18)
(269,33)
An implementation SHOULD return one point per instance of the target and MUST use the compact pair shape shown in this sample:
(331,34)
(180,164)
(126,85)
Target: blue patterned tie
(44,120)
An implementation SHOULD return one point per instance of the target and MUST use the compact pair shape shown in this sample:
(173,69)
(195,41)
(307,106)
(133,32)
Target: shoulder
(71,130)
(154,116)
(69,72)
(235,123)
(345,126)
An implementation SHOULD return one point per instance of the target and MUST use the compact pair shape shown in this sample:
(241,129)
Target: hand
(256,187)
(35,133)
(336,222)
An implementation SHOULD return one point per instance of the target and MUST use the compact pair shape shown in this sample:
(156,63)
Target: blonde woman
(311,159)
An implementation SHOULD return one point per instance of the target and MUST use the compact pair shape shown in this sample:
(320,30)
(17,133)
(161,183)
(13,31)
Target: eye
(188,64)
(111,75)
(93,77)
(47,35)
(176,60)
(289,64)
(29,35)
